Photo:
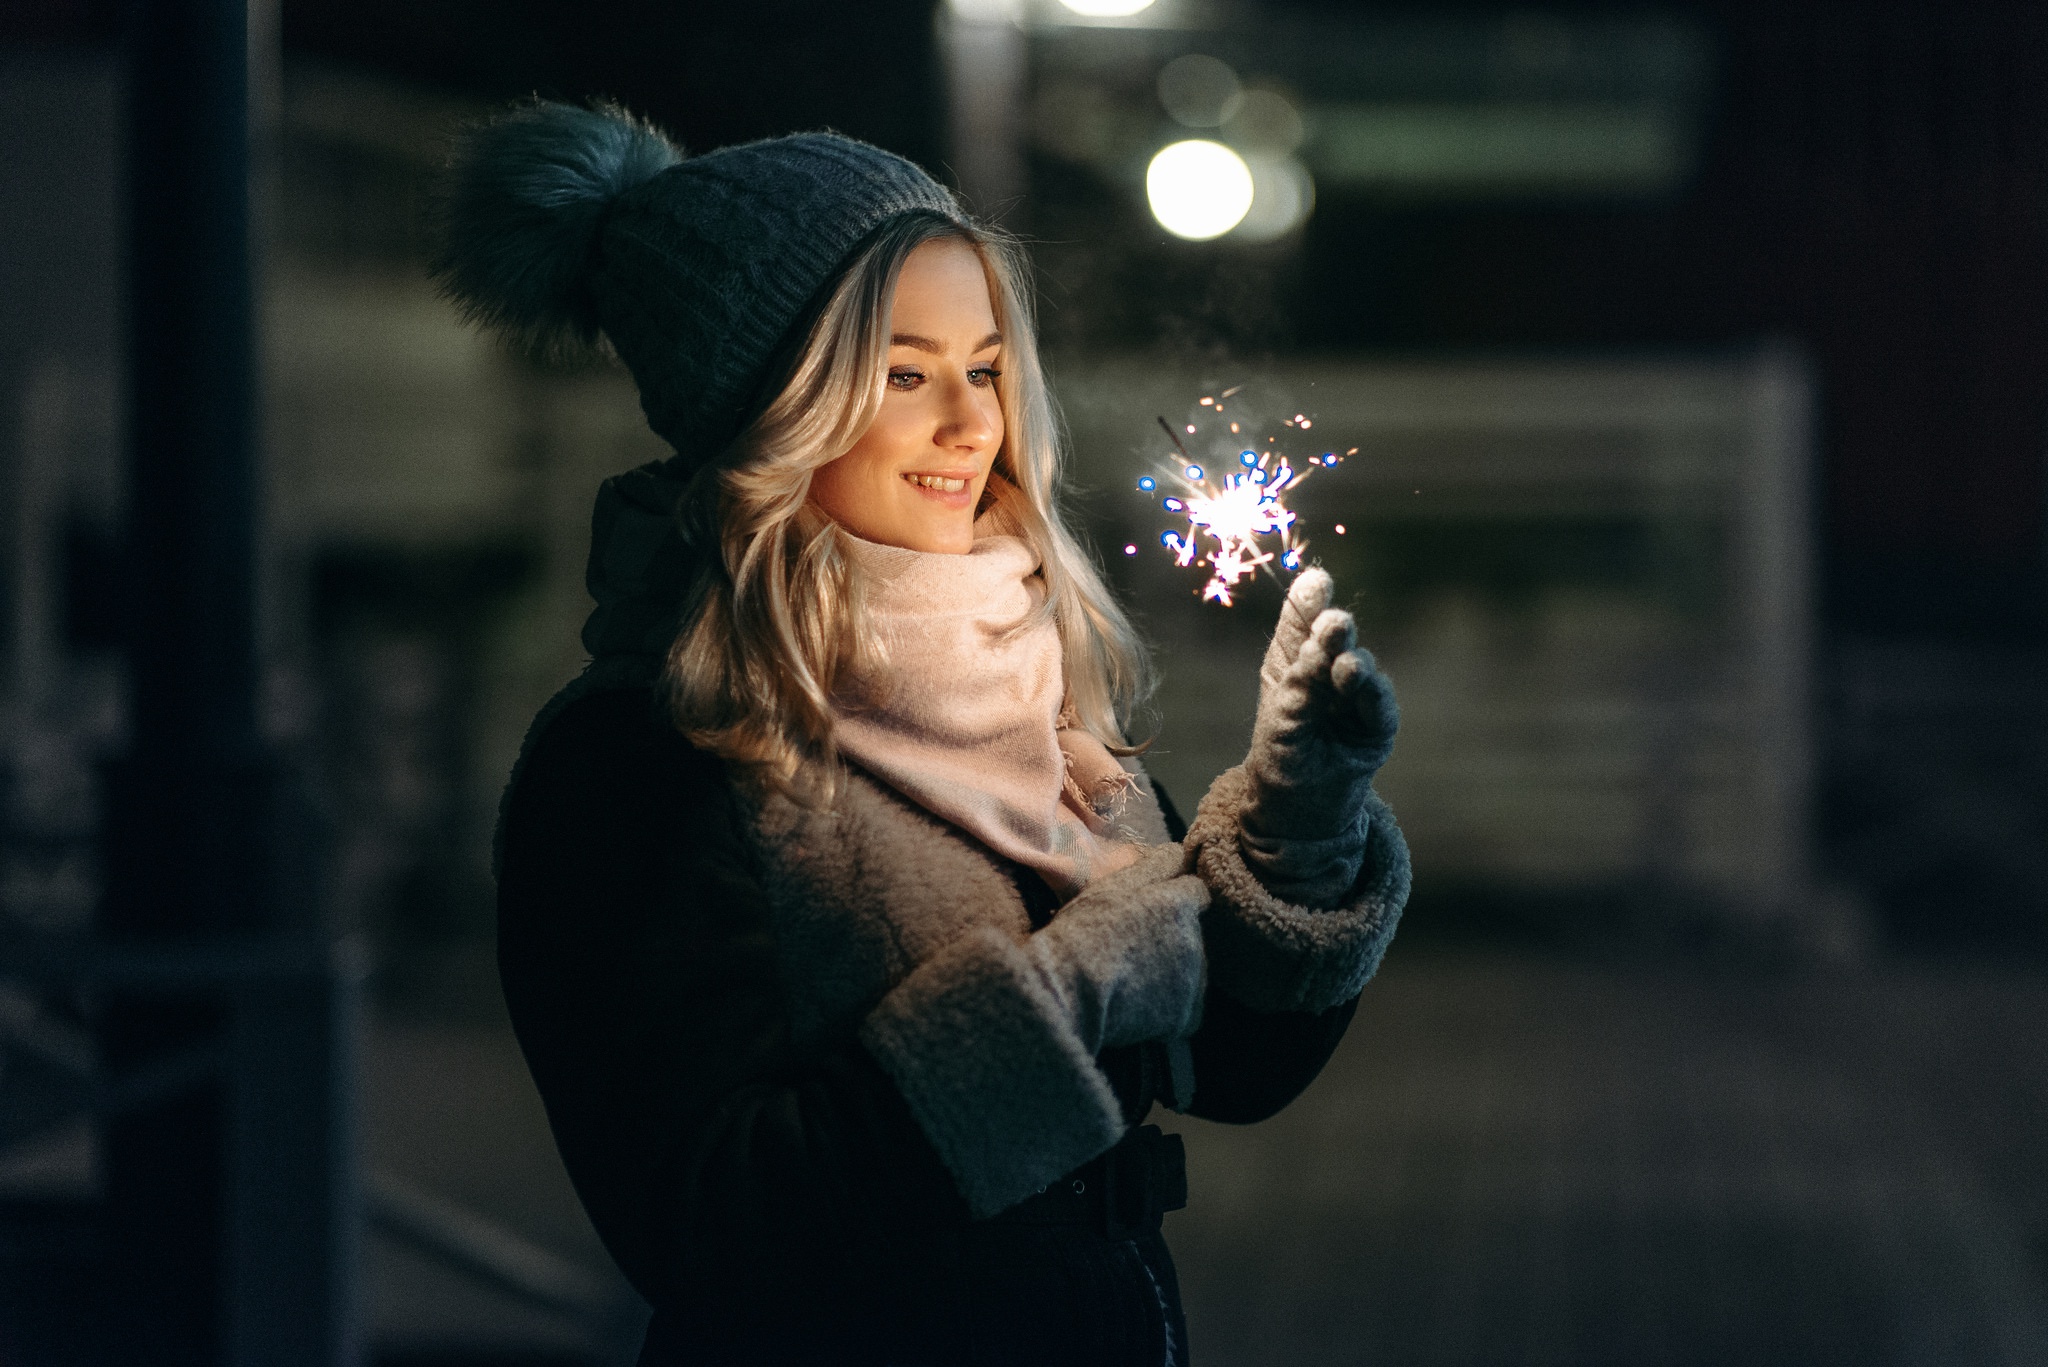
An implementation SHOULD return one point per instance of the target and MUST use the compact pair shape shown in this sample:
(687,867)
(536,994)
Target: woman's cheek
(894,431)
(995,420)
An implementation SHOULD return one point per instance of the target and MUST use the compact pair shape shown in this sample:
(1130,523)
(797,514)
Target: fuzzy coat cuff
(999,1082)
(1274,955)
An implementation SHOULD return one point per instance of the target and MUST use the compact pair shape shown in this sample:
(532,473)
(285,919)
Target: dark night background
(1545,1074)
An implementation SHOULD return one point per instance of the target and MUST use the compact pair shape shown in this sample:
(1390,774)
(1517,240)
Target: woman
(846,941)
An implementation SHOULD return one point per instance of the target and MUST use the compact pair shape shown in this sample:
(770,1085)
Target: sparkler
(1238,521)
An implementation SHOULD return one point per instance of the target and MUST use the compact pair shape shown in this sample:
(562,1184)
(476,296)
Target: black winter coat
(775,1201)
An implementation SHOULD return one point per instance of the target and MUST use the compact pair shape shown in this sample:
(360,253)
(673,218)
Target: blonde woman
(846,939)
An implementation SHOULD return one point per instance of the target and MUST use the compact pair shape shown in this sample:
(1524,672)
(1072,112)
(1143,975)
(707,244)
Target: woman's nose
(970,420)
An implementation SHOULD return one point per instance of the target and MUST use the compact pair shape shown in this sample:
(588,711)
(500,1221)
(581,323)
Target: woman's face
(915,477)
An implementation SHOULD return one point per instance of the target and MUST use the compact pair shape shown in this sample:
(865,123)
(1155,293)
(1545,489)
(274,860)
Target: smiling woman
(847,940)
(916,476)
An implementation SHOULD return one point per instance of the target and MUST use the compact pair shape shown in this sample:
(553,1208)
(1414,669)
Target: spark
(1238,521)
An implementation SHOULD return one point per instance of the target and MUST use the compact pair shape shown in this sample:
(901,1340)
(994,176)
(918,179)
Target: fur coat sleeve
(711,1142)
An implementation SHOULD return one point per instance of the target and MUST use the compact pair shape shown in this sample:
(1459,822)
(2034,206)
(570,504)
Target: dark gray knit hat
(559,223)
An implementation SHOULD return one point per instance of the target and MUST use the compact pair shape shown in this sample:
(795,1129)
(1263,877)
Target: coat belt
(1123,1194)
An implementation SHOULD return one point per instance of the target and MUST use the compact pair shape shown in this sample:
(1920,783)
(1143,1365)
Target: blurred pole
(982,45)
(230,1206)
(295,1212)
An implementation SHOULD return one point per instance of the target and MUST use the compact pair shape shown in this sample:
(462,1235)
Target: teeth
(939,482)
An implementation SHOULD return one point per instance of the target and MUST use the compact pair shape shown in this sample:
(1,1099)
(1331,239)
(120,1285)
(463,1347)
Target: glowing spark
(1130,550)
(1340,529)
(1238,523)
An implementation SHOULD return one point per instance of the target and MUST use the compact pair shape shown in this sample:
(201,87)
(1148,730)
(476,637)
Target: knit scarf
(964,712)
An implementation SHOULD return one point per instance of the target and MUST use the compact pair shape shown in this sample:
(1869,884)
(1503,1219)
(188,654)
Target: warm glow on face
(916,475)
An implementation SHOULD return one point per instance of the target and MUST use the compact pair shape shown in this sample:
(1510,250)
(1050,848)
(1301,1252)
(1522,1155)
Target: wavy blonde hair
(776,612)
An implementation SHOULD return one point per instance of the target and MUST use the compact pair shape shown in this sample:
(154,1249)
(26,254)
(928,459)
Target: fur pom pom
(525,197)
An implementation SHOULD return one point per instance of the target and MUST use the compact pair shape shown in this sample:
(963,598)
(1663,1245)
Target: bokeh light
(1282,195)
(1200,91)
(1107,9)
(1198,189)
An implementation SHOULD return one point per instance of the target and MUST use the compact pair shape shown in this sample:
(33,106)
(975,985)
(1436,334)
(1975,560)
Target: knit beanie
(558,223)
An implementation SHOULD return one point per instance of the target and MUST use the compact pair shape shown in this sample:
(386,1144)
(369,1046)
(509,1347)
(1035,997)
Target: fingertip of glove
(1331,634)
(1311,590)
(1352,668)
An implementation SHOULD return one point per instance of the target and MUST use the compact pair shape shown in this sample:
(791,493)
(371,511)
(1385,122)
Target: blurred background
(1692,365)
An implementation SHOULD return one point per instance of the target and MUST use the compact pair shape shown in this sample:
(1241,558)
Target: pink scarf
(964,716)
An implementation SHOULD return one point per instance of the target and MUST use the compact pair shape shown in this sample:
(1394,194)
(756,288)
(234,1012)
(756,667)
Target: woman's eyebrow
(918,342)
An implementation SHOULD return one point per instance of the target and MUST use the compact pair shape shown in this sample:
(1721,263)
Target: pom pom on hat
(523,205)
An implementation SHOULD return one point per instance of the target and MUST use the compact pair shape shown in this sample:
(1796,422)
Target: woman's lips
(951,490)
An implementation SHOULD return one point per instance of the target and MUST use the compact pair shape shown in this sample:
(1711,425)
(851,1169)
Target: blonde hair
(776,612)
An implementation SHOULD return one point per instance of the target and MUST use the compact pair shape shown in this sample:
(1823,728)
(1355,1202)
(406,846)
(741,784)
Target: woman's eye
(905,378)
(984,375)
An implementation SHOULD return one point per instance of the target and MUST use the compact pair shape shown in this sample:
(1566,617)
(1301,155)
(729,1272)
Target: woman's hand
(1325,725)
(1125,956)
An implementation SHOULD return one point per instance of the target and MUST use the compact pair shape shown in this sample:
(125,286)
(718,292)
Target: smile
(944,484)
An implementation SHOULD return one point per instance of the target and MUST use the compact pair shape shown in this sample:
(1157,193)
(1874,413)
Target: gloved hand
(1124,957)
(1325,725)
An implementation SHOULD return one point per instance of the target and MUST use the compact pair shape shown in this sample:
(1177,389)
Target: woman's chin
(936,531)
(949,540)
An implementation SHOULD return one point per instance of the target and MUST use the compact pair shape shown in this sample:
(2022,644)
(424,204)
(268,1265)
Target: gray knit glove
(1325,725)
(1125,958)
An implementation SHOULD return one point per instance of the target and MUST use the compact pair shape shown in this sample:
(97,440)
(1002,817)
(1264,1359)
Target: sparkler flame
(1238,522)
